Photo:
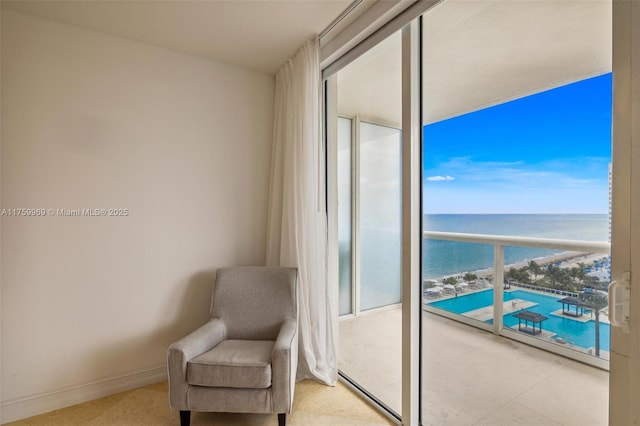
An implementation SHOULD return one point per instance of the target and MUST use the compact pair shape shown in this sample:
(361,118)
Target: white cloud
(440,178)
(557,186)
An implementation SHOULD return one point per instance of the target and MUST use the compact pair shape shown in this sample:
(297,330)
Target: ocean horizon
(381,248)
(441,258)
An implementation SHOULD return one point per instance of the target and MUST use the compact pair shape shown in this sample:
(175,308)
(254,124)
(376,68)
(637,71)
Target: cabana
(534,318)
(568,302)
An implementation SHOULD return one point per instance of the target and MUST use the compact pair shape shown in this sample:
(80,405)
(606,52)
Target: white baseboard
(28,406)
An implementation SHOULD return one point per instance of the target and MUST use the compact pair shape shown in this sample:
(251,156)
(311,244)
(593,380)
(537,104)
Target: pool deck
(604,318)
(476,314)
(508,307)
(582,318)
(511,306)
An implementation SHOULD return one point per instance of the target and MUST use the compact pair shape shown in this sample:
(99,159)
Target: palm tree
(552,274)
(520,275)
(535,269)
(559,278)
(595,301)
(450,280)
(578,273)
(468,277)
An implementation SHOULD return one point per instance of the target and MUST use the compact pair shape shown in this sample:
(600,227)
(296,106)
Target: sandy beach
(568,259)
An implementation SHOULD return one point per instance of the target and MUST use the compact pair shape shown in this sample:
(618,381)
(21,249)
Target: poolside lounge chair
(433,292)
(461,287)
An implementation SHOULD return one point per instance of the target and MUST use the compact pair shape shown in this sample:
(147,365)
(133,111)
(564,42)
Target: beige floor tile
(142,407)
(314,404)
(339,402)
(470,375)
(511,372)
(452,395)
(308,419)
(80,414)
(514,414)
(574,395)
(232,419)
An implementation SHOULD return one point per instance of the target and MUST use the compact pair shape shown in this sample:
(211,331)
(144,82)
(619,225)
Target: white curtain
(297,223)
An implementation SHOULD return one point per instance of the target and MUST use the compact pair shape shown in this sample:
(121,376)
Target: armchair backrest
(253,301)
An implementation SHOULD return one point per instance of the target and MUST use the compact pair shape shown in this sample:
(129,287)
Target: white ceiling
(255,34)
(478,53)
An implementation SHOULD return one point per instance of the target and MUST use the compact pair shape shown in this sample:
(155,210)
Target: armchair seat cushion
(233,364)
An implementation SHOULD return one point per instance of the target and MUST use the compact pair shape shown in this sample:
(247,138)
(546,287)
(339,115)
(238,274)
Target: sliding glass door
(369,222)
(517,152)
(516,185)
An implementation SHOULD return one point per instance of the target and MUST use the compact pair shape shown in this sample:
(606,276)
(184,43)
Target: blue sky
(544,153)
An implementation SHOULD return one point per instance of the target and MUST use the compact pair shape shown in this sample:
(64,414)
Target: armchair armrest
(284,363)
(198,342)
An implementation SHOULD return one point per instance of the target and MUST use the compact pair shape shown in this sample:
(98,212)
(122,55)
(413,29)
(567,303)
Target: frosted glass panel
(380,216)
(344,214)
(368,163)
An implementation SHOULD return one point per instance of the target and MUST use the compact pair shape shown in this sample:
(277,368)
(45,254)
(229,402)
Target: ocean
(440,258)
(380,251)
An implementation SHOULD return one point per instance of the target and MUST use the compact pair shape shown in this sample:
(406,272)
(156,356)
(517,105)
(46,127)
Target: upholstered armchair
(244,359)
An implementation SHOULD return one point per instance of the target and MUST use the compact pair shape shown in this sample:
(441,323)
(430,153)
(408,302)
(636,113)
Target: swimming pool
(575,332)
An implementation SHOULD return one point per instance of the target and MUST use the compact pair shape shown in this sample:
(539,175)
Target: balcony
(489,372)
(566,336)
(471,377)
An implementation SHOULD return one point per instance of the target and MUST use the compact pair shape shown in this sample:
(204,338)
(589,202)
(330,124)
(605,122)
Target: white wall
(90,304)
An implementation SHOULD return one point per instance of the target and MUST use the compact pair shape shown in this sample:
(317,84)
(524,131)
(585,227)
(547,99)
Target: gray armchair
(244,359)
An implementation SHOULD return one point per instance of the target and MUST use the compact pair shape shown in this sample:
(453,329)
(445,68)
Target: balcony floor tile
(472,377)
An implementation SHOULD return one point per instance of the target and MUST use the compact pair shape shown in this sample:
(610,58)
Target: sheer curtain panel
(297,223)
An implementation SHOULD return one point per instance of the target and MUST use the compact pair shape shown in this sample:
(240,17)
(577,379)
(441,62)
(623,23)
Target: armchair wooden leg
(282,419)
(185,418)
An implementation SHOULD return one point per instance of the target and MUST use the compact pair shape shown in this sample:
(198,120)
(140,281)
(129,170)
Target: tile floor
(472,377)
(314,405)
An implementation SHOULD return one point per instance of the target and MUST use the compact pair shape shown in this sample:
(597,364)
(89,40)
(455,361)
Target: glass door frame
(411,153)
(624,378)
(354,213)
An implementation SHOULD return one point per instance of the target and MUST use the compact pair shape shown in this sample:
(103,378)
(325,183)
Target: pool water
(574,332)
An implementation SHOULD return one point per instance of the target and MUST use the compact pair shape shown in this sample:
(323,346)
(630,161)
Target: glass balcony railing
(557,302)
